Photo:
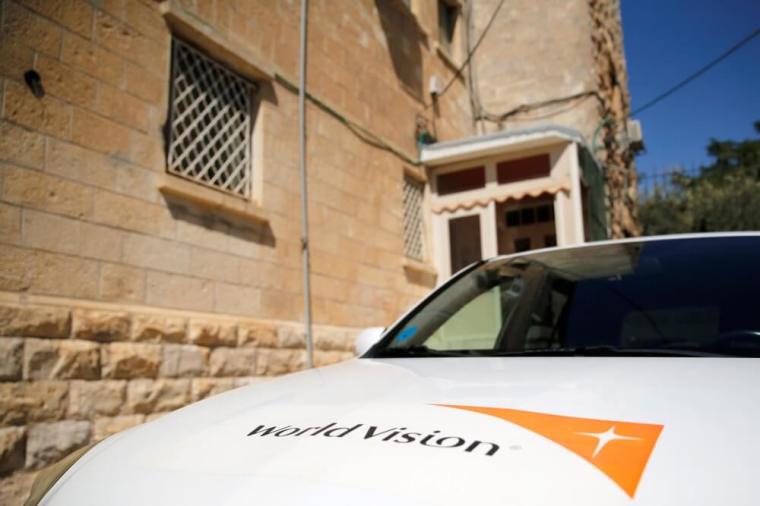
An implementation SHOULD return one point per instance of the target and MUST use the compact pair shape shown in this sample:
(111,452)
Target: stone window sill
(416,173)
(417,267)
(212,199)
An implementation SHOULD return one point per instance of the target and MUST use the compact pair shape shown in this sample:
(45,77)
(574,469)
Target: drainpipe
(304,200)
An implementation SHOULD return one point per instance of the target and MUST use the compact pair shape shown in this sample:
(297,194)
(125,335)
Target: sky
(667,40)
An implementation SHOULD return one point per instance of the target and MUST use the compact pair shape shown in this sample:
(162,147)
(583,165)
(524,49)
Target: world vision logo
(620,450)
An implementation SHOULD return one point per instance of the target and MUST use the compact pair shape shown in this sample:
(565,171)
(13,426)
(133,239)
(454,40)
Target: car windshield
(669,297)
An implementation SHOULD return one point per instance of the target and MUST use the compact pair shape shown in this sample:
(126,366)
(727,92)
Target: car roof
(649,238)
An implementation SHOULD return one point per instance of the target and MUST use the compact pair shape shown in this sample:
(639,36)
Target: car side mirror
(366,339)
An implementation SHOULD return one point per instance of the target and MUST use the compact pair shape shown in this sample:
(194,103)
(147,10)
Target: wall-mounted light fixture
(34,81)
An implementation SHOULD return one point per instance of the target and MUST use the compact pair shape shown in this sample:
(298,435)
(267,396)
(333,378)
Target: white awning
(540,191)
(497,143)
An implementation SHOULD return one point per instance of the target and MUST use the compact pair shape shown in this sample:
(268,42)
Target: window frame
(249,151)
(447,35)
(411,180)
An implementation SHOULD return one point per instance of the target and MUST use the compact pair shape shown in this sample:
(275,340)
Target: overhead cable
(358,130)
(498,118)
(466,61)
(698,73)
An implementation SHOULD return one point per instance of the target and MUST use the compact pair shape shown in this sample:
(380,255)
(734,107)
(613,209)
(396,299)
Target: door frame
(442,255)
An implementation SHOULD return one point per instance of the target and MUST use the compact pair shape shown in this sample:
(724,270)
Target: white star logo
(605,437)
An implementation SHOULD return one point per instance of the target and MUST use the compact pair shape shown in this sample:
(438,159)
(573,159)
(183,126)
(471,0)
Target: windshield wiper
(605,351)
(420,350)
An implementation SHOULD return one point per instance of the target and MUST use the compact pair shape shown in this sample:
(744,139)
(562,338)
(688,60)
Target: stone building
(150,249)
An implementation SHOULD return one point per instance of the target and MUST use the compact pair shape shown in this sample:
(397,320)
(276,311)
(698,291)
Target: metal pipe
(304,199)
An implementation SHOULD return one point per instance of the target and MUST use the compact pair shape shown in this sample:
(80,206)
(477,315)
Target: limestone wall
(81,206)
(612,83)
(170,298)
(72,374)
(539,52)
(536,52)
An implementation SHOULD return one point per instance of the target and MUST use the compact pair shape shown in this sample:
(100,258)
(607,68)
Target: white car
(623,372)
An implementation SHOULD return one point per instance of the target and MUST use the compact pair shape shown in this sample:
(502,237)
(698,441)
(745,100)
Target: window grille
(413,219)
(210,118)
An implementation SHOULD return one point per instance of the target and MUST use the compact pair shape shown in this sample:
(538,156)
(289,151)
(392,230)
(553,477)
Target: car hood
(518,430)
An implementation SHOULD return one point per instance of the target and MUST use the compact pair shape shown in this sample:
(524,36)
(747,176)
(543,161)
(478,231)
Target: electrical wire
(358,130)
(466,61)
(698,73)
(498,118)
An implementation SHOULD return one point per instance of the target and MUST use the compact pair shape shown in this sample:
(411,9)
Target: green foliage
(724,196)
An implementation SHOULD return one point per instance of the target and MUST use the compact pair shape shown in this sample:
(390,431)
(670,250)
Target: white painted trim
(489,241)
(576,195)
(492,145)
(559,218)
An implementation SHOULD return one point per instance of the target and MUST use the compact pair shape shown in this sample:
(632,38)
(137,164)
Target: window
(447,21)
(522,244)
(461,180)
(525,225)
(676,297)
(545,213)
(523,168)
(413,224)
(210,122)
(529,215)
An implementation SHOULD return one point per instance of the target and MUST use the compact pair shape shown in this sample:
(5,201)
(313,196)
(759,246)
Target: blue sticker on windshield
(406,334)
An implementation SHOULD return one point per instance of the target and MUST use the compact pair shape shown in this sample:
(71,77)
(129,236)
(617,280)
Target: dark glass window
(544,214)
(668,297)
(447,22)
(461,180)
(550,241)
(522,244)
(527,215)
(513,218)
(523,168)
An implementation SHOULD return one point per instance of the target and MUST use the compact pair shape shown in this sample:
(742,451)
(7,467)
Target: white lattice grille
(413,220)
(210,117)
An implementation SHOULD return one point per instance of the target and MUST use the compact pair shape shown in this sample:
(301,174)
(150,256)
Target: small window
(461,180)
(513,218)
(523,168)
(522,244)
(544,214)
(527,215)
(413,222)
(448,12)
(210,122)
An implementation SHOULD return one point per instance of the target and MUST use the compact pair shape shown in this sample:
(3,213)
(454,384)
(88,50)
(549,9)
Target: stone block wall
(82,213)
(535,52)
(71,375)
(125,301)
(538,52)
(615,103)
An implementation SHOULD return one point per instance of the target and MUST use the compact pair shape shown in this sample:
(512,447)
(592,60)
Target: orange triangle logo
(620,450)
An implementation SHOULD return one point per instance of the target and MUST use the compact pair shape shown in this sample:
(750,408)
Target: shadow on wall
(403,38)
(221,222)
